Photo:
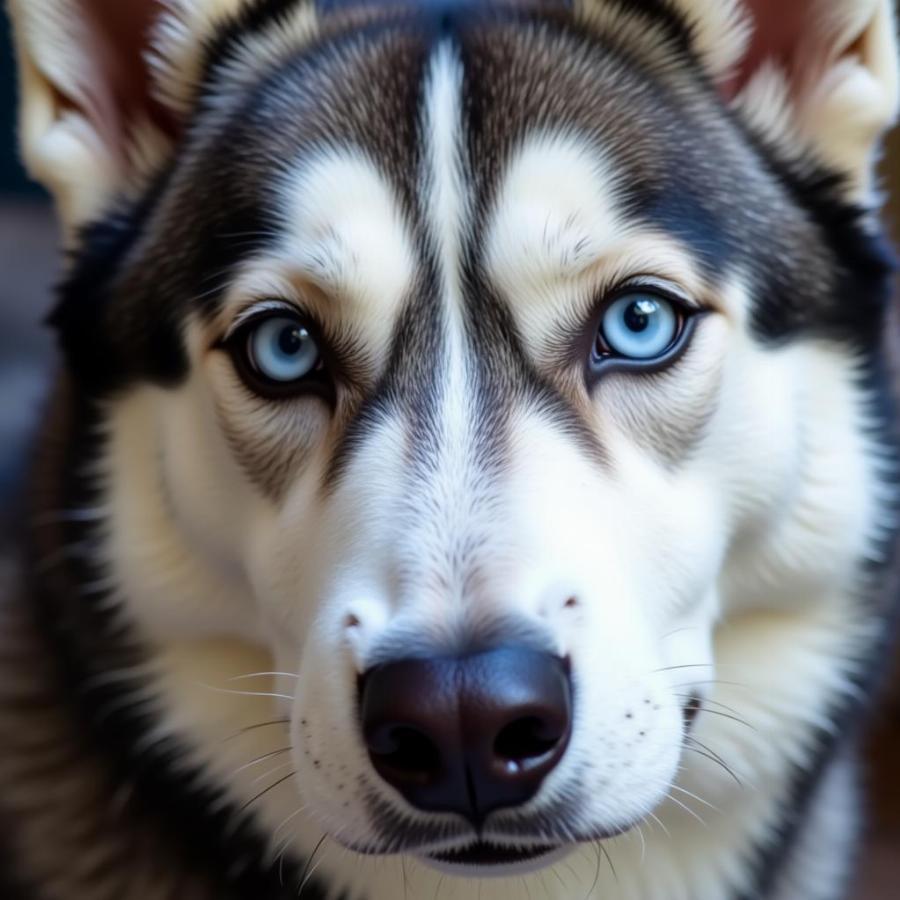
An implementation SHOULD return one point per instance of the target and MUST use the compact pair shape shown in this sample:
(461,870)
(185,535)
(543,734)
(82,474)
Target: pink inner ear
(778,29)
(122,29)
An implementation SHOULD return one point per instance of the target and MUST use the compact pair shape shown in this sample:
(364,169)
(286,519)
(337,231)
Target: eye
(640,326)
(281,349)
(278,355)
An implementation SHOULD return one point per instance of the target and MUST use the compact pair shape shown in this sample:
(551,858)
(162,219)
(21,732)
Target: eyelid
(658,285)
(257,309)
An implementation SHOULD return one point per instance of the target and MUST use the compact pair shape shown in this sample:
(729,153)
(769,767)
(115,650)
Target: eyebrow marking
(555,210)
(343,227)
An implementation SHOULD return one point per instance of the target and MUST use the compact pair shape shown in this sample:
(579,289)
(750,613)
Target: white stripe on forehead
(447,205)
(446,199)
(440,543)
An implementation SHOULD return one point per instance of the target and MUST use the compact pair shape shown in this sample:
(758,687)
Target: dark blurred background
(28,261)
(28,268)
(10,178)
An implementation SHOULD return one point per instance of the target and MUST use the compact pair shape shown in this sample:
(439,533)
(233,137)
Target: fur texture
(449,198)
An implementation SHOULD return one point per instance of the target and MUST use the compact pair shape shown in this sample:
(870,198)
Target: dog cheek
(328,750)
(628,727)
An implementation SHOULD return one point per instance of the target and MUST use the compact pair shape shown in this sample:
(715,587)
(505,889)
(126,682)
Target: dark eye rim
(600,365)
(318,383)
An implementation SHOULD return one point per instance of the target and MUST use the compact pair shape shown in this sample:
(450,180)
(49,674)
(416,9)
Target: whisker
(559,878)
(308,869)
(287,819)
(259,759)
(703,706)
(706,747)
(262,793)
(706,700)
(247,728)
(612,868)
(220,690)
(686,666)
(679,630)
(724,715)
(640,832)
(688,810)
(712,756)
(682,790)
(281,852)
(279,768)
(261,674)
(405,876)
(661,825)
(596,872)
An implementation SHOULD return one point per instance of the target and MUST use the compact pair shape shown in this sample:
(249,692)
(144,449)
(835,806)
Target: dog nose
(467,734)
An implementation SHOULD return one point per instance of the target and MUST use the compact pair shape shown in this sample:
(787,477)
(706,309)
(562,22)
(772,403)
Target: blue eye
(639,326)
(280,349)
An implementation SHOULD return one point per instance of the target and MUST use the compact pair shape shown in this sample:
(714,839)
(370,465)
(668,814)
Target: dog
(471,471)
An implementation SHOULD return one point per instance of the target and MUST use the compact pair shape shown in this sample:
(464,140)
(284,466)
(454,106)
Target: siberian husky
(471,470)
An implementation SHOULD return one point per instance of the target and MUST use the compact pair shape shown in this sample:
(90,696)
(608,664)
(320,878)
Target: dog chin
(485,860)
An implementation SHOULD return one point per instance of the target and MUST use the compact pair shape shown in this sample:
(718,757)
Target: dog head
(479,362)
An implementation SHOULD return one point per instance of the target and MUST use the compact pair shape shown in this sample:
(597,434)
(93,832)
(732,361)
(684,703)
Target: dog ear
(97,110)
(819,78)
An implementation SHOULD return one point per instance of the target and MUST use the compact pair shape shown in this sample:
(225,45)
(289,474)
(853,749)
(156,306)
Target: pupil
(290,339)
(637,316)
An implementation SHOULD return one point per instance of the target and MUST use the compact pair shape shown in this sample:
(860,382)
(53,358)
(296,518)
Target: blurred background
(28,268)
(28,260)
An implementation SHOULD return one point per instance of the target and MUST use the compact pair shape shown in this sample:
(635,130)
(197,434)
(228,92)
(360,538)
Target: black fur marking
(410,386)
(864,266)
(93,354)
(506,377)
(250,19)
(680,210)
(119,316)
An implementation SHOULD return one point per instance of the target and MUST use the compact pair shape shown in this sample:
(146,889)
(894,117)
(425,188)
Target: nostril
(526,739)
(467,734)
(403,753)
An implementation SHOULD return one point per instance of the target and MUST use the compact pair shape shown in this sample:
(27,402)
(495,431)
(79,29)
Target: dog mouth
(482,853)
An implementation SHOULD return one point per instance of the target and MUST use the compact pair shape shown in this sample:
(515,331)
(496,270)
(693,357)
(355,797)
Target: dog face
(483,359)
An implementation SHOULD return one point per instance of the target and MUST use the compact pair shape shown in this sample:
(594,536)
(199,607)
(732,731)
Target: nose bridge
(450,498)
(450,494)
